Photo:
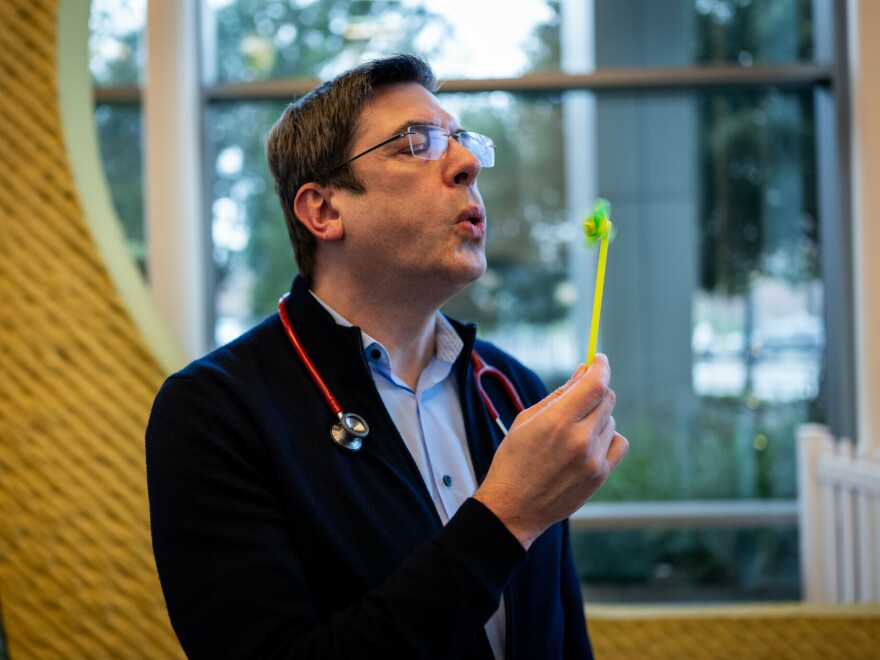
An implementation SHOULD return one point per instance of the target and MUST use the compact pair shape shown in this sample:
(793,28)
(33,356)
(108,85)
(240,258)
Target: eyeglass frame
(409,131)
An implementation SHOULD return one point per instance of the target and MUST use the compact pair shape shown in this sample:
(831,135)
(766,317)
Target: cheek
(391,197)
(406,206)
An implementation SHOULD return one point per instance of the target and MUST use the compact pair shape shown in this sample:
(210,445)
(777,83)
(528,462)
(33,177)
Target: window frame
(181,296)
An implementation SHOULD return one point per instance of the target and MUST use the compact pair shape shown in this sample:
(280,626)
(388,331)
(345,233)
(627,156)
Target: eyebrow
(401,128)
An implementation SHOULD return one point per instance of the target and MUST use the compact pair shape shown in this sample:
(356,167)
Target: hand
(556,455)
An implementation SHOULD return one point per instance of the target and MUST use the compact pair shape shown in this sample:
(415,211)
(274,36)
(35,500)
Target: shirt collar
(447,342)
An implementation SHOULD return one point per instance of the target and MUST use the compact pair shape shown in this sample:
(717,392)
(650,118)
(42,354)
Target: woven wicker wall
(77,577)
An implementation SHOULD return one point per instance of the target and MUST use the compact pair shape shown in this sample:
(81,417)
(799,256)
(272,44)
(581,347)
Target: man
(435,538)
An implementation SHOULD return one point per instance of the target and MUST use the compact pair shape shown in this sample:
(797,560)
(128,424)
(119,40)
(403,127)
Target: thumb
(528,413)
(559,391)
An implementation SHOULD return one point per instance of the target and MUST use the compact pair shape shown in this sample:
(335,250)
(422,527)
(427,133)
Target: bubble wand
(598,227)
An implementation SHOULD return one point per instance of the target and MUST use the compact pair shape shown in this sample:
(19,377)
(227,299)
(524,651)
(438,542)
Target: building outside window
(697,119)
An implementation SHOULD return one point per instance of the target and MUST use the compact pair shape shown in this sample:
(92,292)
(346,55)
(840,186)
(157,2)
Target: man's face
(420,227)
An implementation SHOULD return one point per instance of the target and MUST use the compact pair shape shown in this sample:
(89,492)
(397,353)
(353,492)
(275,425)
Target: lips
(472,221)
(476,215)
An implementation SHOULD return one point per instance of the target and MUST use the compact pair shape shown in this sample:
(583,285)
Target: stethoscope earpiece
(349,432)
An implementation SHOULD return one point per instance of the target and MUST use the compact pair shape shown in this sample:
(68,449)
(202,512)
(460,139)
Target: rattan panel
(765,632)
(77,578)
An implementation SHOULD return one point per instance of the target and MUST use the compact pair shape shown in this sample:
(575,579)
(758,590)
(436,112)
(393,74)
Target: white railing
(686,514)
(839,511)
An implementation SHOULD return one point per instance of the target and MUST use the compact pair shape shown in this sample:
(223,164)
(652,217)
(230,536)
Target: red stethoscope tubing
(306,360)
(480,369)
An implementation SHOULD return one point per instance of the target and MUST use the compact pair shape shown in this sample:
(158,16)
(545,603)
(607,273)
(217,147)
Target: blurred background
(713,128)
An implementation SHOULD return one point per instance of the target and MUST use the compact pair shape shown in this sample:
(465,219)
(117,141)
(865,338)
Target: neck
(404,325)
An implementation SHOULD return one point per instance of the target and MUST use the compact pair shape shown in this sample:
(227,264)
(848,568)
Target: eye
(420,142)
(420,146)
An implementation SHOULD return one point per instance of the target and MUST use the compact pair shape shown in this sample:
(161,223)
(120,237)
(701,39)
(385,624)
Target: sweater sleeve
(577,642)
(230,575)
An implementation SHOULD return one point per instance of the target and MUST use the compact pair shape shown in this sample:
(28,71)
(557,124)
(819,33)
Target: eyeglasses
(430,143)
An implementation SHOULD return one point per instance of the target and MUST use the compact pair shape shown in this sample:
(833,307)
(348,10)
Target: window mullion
(176,234)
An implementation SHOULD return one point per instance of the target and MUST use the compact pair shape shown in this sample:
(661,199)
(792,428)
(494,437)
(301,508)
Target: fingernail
(581,370)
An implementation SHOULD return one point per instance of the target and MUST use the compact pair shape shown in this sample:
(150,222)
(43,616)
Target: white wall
(864,56)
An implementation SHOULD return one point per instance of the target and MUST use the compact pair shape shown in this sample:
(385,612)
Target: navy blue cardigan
(273,542)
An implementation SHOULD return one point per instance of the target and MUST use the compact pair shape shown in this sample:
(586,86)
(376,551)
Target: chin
(451,283)
(450,278)
(474,271)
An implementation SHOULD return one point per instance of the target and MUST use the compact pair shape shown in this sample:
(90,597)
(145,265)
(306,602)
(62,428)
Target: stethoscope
(350,429)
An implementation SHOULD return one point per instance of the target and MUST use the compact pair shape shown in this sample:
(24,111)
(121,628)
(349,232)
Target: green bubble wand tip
(598,227)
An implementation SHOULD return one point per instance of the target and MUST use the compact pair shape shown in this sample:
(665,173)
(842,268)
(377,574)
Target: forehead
(396,106)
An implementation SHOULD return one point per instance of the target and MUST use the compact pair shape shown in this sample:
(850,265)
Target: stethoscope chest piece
(349,432)
(350,429)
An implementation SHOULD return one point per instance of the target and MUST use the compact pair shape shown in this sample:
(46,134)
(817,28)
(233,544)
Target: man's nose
(464,163)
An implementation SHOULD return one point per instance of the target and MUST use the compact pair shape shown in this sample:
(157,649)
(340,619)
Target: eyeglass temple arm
(399,136)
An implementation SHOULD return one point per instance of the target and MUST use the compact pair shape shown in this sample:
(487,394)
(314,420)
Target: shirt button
(375,354)
(447,480)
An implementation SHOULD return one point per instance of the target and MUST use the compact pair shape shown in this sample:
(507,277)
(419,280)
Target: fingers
(584,392)
(617,450)
(577,398)
(558,452)
(580,371)
(606,434)
(604,430)
(553,396)
(559,391)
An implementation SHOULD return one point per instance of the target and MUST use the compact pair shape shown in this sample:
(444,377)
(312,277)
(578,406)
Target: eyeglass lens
(430,142)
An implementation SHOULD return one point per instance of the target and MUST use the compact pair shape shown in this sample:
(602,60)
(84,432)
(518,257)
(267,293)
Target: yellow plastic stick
(598,227)
(597,299)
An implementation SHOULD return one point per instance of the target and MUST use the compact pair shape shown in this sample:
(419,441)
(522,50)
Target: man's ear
(314,207)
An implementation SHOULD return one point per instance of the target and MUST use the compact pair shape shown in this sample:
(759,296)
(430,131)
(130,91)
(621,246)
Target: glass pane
(683,32)
(688,565)
(713,303)
(261,39)
(116,29)
(252,256)
(265,39)
(713,298)
(524,194)
(116,58)
(525,299)
(120,140)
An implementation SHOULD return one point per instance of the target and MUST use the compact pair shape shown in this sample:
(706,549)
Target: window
(698,119)
(116,60)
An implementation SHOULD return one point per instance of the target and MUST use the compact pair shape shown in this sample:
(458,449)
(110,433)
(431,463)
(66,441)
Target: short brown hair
(314,135)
